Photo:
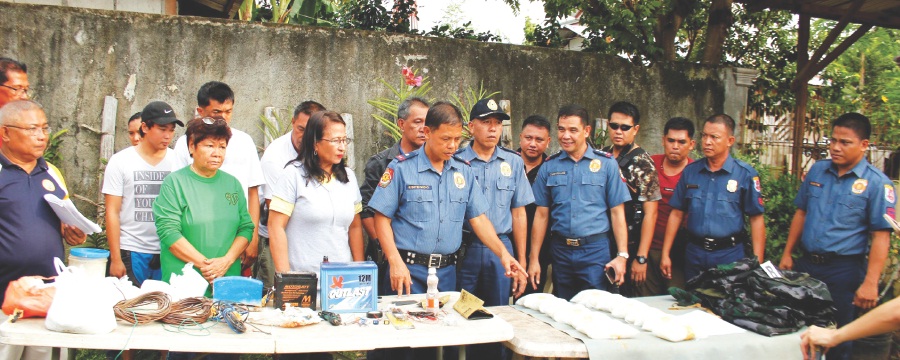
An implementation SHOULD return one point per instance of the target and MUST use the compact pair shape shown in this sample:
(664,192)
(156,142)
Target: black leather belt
(576,241)
(429,260)
(713,244)
(826,258)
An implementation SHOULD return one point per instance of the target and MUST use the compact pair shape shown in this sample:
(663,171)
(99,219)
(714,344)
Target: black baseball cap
(486,107)
(159,113)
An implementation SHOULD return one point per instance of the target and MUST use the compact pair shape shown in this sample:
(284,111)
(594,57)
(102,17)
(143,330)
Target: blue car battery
(348,287)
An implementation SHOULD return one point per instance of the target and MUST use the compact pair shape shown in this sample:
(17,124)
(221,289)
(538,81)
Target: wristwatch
(641,259)
(623,254)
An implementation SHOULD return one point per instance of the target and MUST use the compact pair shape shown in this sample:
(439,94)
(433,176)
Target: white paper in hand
(69,215)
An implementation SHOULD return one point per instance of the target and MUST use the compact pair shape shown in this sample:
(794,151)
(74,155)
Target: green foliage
(464,32)
(778,192)
(51,154)
(372,15)
(388,105)
(306,12)
(866,79)
(274,129)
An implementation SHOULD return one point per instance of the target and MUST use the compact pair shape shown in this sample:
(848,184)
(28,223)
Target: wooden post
(351,159)
(107,131)
(506,134)
(802,95)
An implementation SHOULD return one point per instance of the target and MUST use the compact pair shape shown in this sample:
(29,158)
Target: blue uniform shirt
(715,202)
(841,211)
(580,194)
(427,208)
(29,229)
(503,182)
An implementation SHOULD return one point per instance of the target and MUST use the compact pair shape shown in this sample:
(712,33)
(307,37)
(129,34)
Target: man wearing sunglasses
(13,82)
(643,186)
(216,100)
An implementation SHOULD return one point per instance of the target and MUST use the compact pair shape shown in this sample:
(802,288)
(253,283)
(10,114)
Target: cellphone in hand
(611,275)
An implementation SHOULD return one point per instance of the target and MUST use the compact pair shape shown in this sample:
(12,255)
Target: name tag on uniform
(693,186)
(418,187)
(557,173)
(813,183)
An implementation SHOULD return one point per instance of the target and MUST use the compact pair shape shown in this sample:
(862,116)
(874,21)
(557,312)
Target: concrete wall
(78,56)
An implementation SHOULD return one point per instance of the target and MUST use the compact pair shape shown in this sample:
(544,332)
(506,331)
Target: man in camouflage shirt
(643,185)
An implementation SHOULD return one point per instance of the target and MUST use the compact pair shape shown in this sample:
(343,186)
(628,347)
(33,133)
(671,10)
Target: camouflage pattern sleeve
(641,176)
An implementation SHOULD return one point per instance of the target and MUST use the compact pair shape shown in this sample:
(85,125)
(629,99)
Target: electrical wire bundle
(140,309)
(189,311)
(233,314)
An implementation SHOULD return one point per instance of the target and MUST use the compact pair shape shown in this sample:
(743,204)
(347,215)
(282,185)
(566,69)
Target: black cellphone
(611,275)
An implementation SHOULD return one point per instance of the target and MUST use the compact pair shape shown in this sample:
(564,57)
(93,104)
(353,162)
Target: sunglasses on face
(211,121)
(616,126)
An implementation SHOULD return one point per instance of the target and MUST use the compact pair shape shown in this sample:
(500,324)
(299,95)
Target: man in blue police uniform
(840,206)
(411,122)
(501,174)
(31,234)
(421,202)
(715,193)
(582,190)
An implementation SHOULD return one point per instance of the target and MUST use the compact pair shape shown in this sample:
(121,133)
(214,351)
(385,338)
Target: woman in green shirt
(201,213)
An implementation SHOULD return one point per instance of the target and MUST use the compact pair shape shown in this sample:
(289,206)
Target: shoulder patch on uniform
(386,178)
(404,157)
(554,156)
(889,193)
(509,150)
(603,153)
(756,184)
(464,161)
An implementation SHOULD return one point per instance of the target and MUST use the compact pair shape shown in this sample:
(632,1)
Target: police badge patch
(859,186)
(732,185)
(459,180)
(595,165)
(48,185)
(386,177)
(491,104)
(889,193)
(505,169)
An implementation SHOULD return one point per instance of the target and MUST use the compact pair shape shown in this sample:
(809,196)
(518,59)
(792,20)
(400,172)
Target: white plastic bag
(189,284)
(83,304)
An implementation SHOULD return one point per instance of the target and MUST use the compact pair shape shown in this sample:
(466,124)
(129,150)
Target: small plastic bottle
(431,297)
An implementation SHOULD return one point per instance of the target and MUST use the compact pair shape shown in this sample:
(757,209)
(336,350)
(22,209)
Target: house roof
(883,13)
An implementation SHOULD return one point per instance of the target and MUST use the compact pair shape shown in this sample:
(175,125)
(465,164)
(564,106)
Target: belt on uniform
(568,241)
(825,258)
(429,260)
(713,244)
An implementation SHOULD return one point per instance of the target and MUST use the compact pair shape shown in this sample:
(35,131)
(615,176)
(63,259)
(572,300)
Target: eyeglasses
(211,121)
(19,91)
(616,126)
(33,131)
(338,141)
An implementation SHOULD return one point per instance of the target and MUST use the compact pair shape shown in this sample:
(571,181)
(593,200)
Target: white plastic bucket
(90,260)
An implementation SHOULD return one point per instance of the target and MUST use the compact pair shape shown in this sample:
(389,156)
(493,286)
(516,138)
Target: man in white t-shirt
(130,185)
(216,99)
(277,155)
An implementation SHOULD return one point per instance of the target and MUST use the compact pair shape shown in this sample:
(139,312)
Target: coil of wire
(141,308)
(188,311)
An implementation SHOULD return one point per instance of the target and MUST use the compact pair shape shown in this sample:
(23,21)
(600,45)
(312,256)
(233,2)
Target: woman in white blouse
(316,203)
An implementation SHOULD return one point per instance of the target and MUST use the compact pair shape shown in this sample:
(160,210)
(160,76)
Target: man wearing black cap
(130,184)
(501,174)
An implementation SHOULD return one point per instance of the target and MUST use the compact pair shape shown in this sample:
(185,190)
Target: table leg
(440,353)
(462,352)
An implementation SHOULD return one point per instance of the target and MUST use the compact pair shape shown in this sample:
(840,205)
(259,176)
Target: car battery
(349,287)
(295,288)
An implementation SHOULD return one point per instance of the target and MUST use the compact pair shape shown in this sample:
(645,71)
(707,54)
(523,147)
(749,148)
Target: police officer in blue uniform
(421,203)
(501,174)
(715,192)
(840,206)
(582,191)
